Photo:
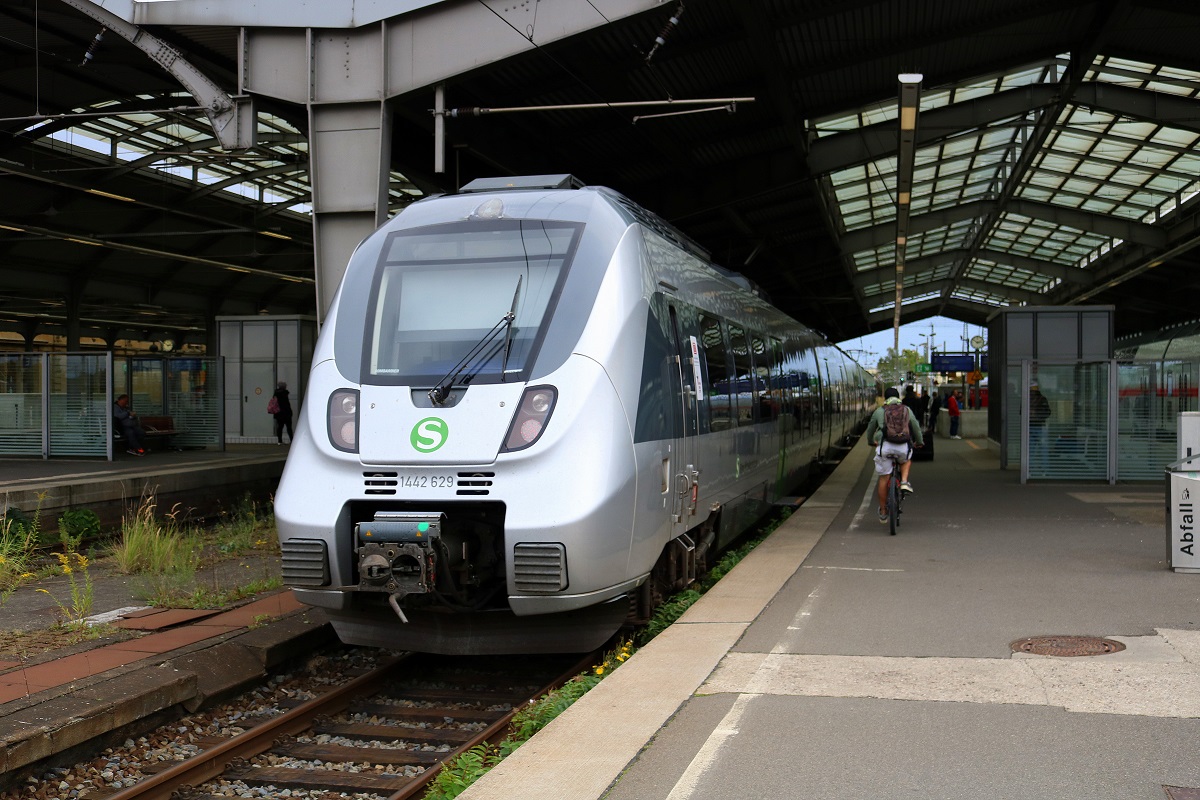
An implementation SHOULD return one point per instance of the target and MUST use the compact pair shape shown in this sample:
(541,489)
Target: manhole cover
(1182,793)
(1066,646)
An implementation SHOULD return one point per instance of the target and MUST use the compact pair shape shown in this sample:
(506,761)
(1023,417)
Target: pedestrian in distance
(1039,415)
(935,408)
(280,407)
(954,409)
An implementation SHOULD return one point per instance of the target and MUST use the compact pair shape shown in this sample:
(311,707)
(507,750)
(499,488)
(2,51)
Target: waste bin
(1183,512)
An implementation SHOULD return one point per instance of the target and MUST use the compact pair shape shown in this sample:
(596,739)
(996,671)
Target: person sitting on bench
(126,421)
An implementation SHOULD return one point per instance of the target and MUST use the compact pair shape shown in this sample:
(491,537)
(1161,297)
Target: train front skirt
(498,632)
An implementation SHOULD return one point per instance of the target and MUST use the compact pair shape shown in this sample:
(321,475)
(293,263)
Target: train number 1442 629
(418,481)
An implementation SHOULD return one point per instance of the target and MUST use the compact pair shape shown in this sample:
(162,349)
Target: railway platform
(196,479)
(837,661)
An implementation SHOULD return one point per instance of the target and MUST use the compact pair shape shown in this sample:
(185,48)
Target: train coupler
(396,554)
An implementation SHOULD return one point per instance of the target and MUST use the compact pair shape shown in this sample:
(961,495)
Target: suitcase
(925,453)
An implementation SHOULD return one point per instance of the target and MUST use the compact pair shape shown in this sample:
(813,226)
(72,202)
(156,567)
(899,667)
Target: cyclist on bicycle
(893,440)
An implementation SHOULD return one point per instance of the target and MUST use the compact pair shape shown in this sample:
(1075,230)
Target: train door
(687,389)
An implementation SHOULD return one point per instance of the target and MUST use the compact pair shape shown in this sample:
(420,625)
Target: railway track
(382,734)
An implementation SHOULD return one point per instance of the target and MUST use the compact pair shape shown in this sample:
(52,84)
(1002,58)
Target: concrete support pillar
(340,77)
(349,153)
(29,331)
(73,325)
(212,334)
(344,61)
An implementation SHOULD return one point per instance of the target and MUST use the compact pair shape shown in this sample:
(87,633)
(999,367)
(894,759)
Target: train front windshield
(442,291)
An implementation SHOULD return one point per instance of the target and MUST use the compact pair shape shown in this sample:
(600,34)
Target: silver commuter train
(533,413)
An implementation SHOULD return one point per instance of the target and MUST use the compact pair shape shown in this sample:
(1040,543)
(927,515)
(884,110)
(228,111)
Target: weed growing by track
(150,546)
(75,566)
(167,553)
(19,538)
(455,776)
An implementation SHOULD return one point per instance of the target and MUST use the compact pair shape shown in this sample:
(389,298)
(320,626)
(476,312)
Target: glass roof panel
(1175,137)
(884,255)
(181,145)
(976,296)
(1093,160)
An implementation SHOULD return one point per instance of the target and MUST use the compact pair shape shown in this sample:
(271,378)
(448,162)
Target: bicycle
(895,497)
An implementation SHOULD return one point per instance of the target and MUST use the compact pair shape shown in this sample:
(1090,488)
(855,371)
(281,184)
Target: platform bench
(154,427)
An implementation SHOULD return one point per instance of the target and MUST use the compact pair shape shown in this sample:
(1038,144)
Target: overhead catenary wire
(719,102)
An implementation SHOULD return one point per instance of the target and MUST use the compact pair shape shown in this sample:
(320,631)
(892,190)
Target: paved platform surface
(837,661)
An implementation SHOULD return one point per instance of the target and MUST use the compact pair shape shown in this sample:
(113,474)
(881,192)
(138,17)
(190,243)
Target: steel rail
(422,780)
(212,762)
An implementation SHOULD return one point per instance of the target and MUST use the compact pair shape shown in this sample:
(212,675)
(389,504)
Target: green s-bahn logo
(429,434)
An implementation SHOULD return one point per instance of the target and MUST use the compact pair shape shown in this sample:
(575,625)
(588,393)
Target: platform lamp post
(909,102)
(966,376)
(928,337)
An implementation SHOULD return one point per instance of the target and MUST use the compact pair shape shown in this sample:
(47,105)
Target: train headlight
(490,209)
(343,420)
(533,412)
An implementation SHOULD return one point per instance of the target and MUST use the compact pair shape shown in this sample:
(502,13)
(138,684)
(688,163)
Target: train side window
(712,341)
(766,382)
(789,383)
(783,402)
(742,387)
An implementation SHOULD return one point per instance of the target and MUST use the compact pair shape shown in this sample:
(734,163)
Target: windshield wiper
(479,353)
(508,331)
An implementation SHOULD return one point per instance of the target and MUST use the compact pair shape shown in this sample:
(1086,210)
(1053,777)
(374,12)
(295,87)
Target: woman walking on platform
(282,412)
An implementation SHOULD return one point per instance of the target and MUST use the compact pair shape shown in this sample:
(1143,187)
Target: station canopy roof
(1054,160)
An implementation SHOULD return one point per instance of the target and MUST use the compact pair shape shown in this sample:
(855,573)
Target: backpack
(273,405)
(895,424)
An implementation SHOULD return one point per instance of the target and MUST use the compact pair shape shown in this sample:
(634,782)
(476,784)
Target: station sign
(1183,494)
(923,366)
(953,362)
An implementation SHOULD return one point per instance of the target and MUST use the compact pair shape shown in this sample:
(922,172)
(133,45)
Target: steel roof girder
(232,117)
(1113,227)
(1173,111)
(1051,269)
(303,54)
(1128,262)
(878,235)
(907,311)
(933,305)
(1072,275)
(996,290)
(844,150)
(999,290)
(1105,225)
